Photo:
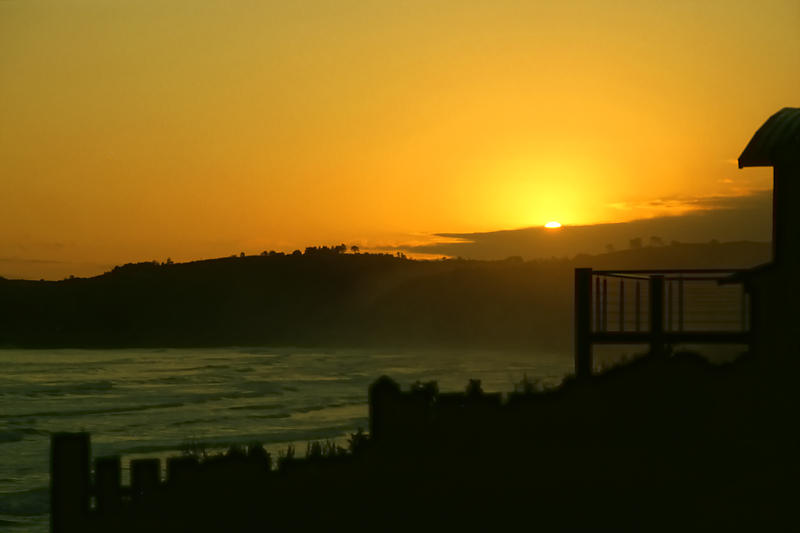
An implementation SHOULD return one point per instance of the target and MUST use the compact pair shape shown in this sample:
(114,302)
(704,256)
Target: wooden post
(108,484)
(583,322)
(69,481)
(744,309)
(181,470)
(754,313)
(621,305)
(384,398)
(145,478)
(680,305)
(657,314)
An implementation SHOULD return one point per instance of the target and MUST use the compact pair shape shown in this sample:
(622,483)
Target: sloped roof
(777,138)
(747,275)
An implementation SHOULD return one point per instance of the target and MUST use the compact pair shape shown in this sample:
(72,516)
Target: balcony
(659,308)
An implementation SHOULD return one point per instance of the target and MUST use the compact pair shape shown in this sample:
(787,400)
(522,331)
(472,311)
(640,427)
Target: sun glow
(553,224)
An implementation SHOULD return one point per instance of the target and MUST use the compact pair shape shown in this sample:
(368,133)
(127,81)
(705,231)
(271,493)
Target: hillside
(327,298)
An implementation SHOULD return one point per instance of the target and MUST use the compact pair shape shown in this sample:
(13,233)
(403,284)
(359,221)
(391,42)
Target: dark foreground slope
(665,443)
(326,298)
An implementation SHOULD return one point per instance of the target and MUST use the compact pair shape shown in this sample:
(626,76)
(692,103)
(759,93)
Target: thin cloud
(30,261)
(703,218)
(683,204)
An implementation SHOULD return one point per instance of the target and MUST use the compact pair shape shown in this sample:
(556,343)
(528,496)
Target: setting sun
(381,125)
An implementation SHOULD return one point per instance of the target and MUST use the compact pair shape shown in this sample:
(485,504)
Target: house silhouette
(658,307)
(774,287)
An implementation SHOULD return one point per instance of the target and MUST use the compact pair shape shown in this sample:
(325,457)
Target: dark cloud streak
(26,260)
(725,218)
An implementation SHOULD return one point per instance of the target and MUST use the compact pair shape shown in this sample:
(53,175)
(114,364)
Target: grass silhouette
(662,441)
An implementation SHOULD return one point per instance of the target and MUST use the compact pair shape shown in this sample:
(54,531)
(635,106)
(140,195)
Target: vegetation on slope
(326,297)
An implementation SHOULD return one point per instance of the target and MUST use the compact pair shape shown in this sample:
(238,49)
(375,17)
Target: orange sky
(145,129)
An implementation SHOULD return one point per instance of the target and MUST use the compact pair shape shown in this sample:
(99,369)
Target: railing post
(598,312)
(605,304)
(638,311)
(69,481)
(669,306)
(657,314)
(621,305)
(583,322)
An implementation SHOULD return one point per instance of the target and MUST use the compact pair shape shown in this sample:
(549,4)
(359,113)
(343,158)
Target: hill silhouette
(325,297)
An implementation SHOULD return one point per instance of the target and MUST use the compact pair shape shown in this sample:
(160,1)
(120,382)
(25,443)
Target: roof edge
(773,137)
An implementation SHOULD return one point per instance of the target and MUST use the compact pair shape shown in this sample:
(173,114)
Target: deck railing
(658,308)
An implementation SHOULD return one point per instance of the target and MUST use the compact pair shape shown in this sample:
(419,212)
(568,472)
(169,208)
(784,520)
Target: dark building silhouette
(774,287)
(760,312)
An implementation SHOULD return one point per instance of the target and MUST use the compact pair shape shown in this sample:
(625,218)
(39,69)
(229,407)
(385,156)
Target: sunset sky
(144,129)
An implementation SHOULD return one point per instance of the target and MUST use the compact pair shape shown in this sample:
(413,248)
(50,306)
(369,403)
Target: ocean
(152,403)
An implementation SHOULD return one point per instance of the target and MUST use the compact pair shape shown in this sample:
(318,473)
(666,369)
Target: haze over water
(151,402)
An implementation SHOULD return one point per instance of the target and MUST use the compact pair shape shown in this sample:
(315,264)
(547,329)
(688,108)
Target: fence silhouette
(88,495)
(658,308)
(426,451)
